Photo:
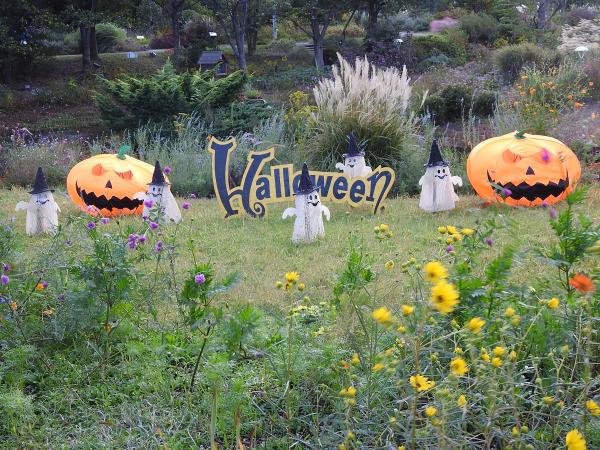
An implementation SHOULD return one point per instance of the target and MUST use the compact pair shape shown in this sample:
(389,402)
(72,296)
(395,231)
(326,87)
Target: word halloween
(257,189)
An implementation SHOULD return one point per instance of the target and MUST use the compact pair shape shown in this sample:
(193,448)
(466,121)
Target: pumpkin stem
(122,150)
(520,134)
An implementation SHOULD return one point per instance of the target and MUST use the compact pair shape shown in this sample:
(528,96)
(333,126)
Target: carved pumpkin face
(107,184)
(523,169)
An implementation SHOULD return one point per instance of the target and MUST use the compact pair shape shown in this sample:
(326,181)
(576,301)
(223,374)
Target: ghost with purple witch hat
(159,203)
(308,210)
(437,185)
(42,210)
(354,161)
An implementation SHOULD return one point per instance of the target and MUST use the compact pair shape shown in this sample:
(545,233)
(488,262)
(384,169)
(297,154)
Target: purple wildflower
(158,247)
(553,214)
(185,205)
(5,267)
(148,203)
(153,225)
(489,241)
(4,279)
(545,155)
(62,297)
(192,195)
(199,278)
(167,170)
(104,220)
(142,239)
(507,192)
(132,241)
(144,218)
(69,242)
(44,284)
(449,249)
(91,225)
(544,204)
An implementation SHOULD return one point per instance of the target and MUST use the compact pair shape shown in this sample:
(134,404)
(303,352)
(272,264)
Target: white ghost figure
(158,199)
(308,210)
(42,210)
(437,185)
(354,161)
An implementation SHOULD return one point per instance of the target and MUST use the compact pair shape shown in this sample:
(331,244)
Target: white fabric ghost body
(163,203)
(309,211)
(437,189)
(42,213)
(354,166)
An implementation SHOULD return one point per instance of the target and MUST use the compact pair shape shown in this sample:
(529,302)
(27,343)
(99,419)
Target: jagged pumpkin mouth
(530,191)
(101,202)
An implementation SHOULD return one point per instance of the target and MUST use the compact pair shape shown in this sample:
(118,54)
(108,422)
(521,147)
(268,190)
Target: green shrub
(449,104)
(480,27)
(108,36)
(17,412)
(451,43)
(130,101)
(435,106)
(240,116)
(511,59)
(484,103)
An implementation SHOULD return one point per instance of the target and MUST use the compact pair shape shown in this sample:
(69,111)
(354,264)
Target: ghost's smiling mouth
(440,177)
(351,165)
(314,203)
(101,202)
(42,203)
(531,192)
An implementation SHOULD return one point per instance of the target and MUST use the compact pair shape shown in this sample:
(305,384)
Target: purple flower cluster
(5,267)
(153,225)
(449,249)
(489,241)
(158,246)
(104,220)
(167,170)
(199,278)
(148,203)
(91,225)
(4,279)
(134,240)
(185,205)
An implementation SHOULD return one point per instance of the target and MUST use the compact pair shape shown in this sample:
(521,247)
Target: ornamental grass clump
(376,105)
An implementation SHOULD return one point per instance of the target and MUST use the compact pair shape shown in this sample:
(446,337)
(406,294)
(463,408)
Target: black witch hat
(158,177)
(354,148)
(306,185)
(435,156)
(40,184)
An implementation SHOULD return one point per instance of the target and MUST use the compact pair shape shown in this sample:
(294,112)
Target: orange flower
(570,97)
(582,283)
(578,105)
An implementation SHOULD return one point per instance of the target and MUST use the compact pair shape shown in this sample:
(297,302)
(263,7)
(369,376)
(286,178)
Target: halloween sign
(107,184)
(523,169)
(259,189)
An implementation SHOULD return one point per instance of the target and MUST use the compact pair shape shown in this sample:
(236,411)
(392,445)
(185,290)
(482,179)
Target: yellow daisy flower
(553,303)
(383,316)
(407,310)
(459,367)
(475,325)
(435,271)
(292,277)
(430,411)
(593,407)
(421,383)
(444,297)
(575,441)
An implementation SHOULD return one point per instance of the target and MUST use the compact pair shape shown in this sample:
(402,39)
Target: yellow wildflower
(444,297)
(458,350)
(451,230)
(377,367)
(351,391)
(407,310)
(548,400)
(442,230)
(459,367)
(509,312)
(553,303)
(499,351)
(485,356)
(461,401)
(421,383)
(383,316)
(389,265)
(435,271)
(467,231)
(516,320)
(401,329)
(430,411)
(496,362)
(575,441)
(383,227)
(355,359)
(512,356)
(593,407)
(291,277)
(475,324)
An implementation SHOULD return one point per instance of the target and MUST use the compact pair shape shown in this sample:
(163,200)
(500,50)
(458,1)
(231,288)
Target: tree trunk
(373,13)
(541,14)
(84,31)
(252,33)
(318,44)
(93,44)
(239,23)
(274,27)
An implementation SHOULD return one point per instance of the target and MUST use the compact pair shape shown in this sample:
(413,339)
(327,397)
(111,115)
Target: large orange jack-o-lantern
(523,170)
(106,184)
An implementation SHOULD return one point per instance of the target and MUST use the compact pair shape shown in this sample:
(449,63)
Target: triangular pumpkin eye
(510,157)
(98,169)
(125,175)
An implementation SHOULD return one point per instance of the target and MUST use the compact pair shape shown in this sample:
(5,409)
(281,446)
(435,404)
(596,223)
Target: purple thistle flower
(132,241)
(199,278)
(5,267)
(553,214)
(449,249)
(544,204)
(44,284)
(4,279)
(158,247)
(489,241)
(144,218)
(192,195)
(167,170)
(91,225)
(507,192)
(153,225)
(104,220)
(142,239)
(148,203)
(185,205)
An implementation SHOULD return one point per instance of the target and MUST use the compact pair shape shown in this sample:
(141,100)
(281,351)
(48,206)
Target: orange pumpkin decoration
(523,169)
(106,184)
